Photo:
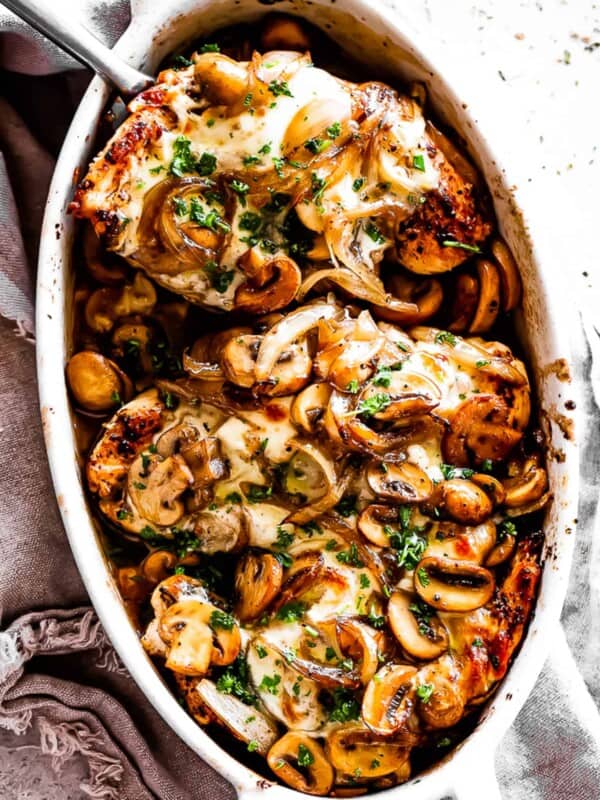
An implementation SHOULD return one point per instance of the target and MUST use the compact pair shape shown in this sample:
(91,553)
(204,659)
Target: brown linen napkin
(72,721)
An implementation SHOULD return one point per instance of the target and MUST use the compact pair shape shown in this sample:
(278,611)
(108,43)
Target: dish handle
(477,781)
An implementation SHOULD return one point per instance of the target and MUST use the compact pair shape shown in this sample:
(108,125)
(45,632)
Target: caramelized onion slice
(244,722)
(450,585)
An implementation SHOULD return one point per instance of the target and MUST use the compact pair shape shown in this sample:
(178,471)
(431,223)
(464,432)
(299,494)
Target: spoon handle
(70,36)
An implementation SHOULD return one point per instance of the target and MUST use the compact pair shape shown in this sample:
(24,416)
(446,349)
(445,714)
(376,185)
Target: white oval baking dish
(375,37)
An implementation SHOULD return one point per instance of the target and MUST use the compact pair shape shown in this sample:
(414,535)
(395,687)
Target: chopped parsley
(334,130)
(316,145)
(291,612)
(248,161)
(279,88)
(181,207)
(207,219)
(449,472)
(374,233)
(345,707)
(347,505)
(261,651)
(181,62)
(353,386)
(241,189)
(210,47)
(477,642)
(374,404)
(305,757)
(383,377)
(419,162)
(423,615)
(220,619)
(233,497)
(445,337)
(471,248)
(487,465)
(220,279)
(376,620)
(184,161)
(358,184)
(284,538)
(256,494)
(350,557)
(506,528)
(252,746)
(364,581)
(482,363)
(423,576)
(279,164)
(424,692)
(270,684)
(234,680)
(250,222)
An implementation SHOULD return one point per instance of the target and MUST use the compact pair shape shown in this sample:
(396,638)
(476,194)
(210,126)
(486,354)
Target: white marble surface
(530,72)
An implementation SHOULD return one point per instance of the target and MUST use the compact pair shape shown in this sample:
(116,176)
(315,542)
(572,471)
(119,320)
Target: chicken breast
(202,186)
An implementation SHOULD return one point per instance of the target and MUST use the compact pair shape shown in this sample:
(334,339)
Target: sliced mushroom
(461,543)
(222,80)
(105,267)
(488,304)
(108,304)
(258,579)
(503,550)
(158,565)
(450,585)
(221,530)
(527,486)
(155,487)
(197,636)
(509,275)
(373,521)
(401,483)
(426,294)
(445,705)
(480,427)
(205,460)
(96,382)
(417,627)
(356,753)
(466,296)
(389,699)
(491,486)
(300,761)
(284,333)
(245,723)
(238,359)
(291,373)
(463,500)
(325,675)
(309,406)
(276,290)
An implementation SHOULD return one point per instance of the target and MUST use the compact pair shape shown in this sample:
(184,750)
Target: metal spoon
(76,40)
